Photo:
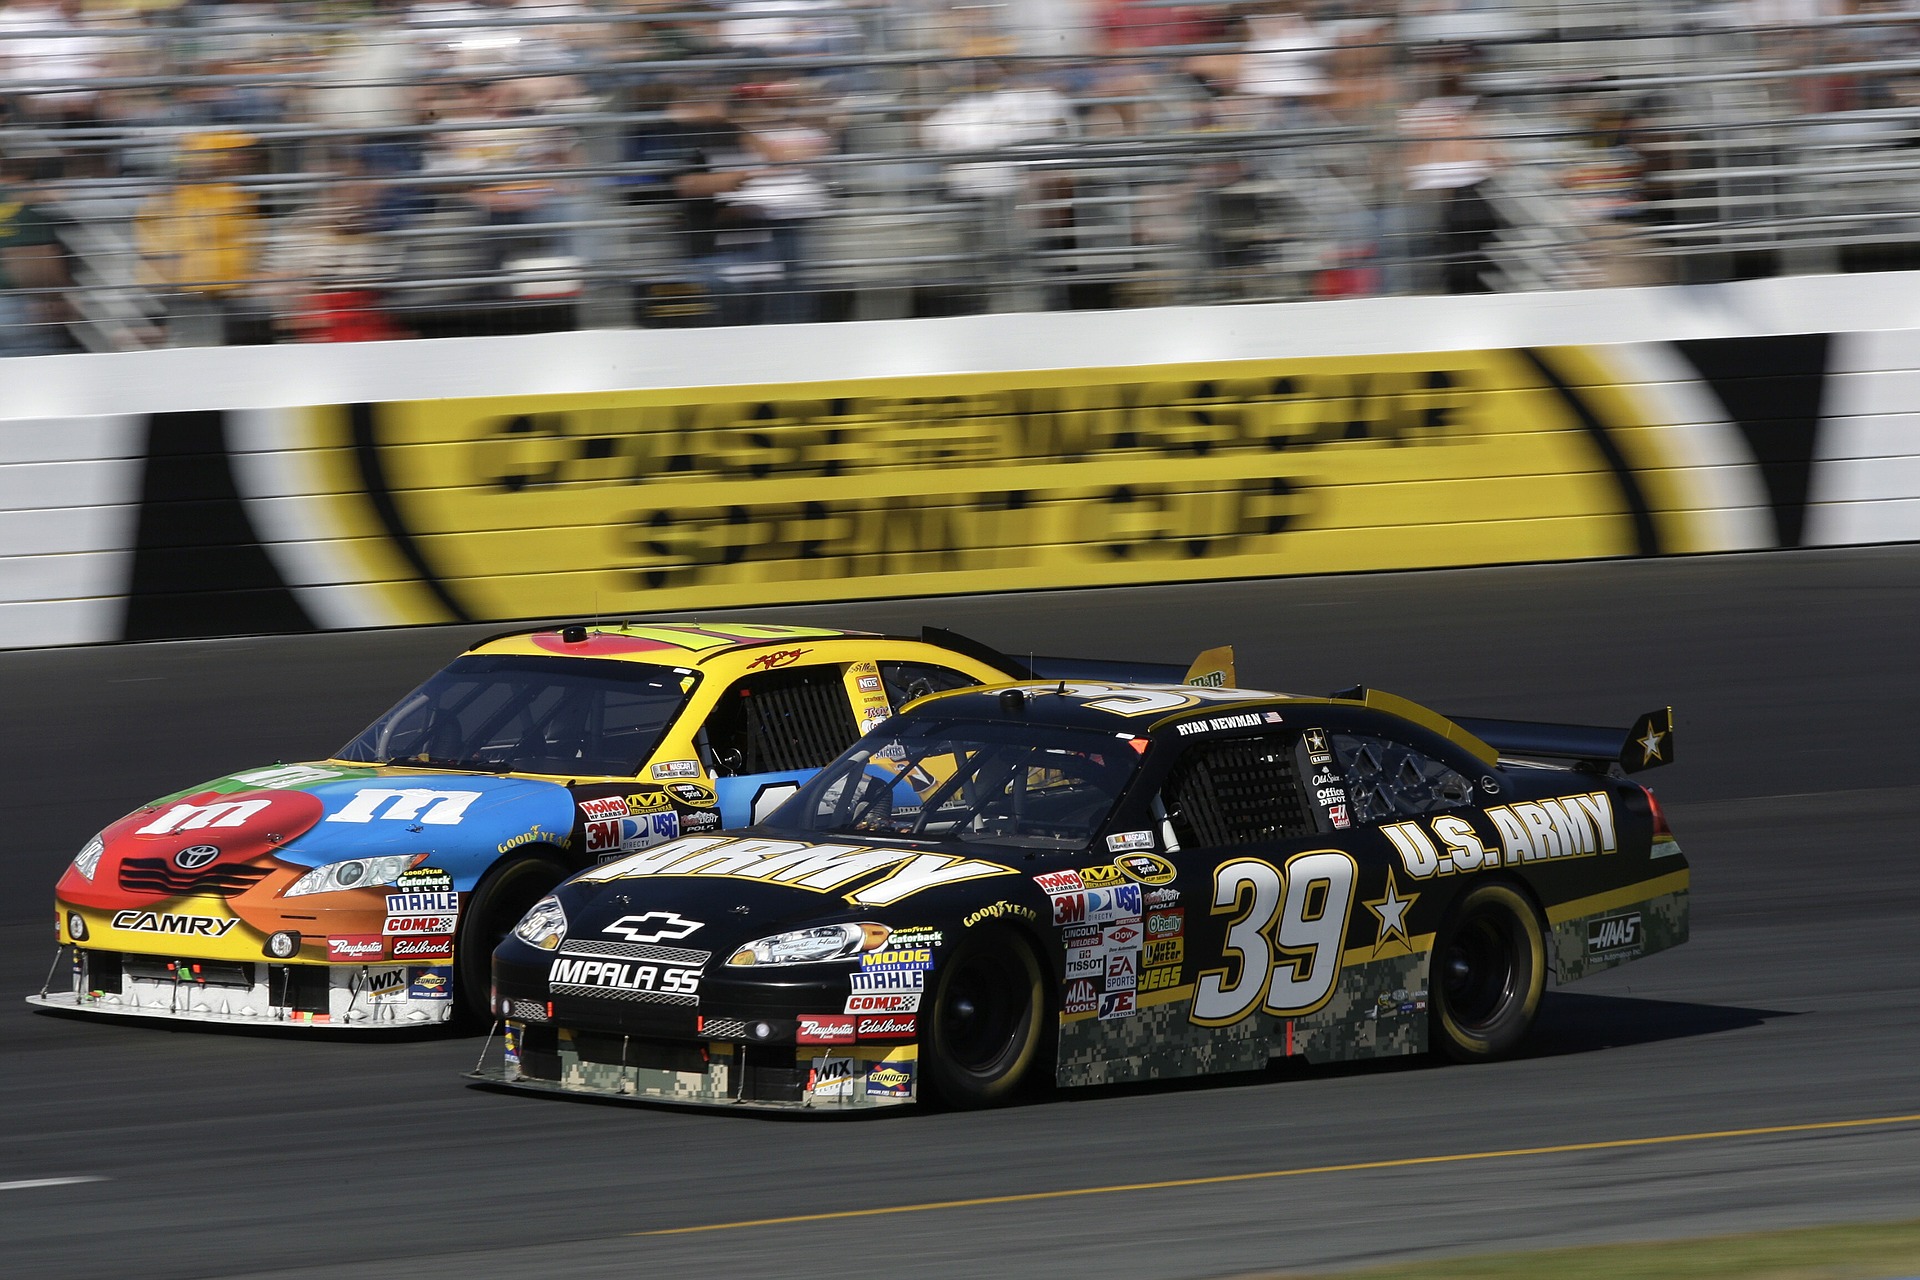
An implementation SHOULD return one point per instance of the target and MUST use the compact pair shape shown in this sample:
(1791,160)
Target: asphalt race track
(1793,1010)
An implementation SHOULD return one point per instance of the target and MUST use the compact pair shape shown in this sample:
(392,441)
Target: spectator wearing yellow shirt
(199,243)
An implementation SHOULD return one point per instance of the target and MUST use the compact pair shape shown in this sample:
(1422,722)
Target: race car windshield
(1024,786)
(529,714)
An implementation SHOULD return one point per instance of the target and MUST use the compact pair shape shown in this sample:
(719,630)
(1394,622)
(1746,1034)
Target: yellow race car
(369,889)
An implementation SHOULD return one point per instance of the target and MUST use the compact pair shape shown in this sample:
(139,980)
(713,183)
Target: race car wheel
(1489,969)
(496,905)
(988,1020)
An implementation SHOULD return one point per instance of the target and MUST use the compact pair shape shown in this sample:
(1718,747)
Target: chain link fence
(206,173)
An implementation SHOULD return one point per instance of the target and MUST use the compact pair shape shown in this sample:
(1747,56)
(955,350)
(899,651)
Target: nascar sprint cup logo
(1613,937)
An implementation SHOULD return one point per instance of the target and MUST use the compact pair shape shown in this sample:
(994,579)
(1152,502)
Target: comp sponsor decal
(901,1002)
(417,926)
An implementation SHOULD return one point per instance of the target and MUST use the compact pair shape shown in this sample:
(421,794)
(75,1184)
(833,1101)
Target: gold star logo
(1650,746)
(1392,910)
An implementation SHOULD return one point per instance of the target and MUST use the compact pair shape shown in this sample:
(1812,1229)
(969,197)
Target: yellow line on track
(1615,1144)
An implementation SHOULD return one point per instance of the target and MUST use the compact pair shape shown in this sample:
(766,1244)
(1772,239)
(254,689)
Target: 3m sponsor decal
(1069,909)
(1166,924)
(1116,1004)
(1126,841)
(675,983)
(831,1077)
(1080,996)
(364,946)
(423,805)
(191,926)
(666,769)
(874,1003)
(825,1029)
(890,1080)
(897,960)
(416,926)
(887,1028)
(1091,876)
(895,873)
(411,904)
(1165,951)
(423,948)
(998,910)
(1580,826)
(1614,935)
(603,807)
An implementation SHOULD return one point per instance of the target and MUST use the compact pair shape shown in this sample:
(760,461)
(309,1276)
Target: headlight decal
(87,861)
(354,873)
(813,946)
(544,926)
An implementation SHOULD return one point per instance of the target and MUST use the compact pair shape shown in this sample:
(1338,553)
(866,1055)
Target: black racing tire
(1489,971)
(496,904)
(986,1020)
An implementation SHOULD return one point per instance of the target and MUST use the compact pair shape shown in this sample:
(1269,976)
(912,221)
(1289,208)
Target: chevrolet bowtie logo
(668,926)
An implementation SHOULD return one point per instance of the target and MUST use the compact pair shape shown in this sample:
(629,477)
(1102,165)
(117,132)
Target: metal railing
(325,171)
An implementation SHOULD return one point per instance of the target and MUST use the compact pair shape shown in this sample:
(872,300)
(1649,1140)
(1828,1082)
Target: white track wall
(238,490)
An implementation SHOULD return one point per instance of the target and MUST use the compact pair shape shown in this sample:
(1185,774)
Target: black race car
(1092,883)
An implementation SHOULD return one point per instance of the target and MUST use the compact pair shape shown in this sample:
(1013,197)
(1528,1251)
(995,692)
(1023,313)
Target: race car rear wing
(1648,744)
(1214,667)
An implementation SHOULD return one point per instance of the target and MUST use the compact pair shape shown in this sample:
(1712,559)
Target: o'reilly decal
(1613,934)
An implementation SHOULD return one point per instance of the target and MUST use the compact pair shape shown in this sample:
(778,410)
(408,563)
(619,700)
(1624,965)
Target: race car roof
(673,644)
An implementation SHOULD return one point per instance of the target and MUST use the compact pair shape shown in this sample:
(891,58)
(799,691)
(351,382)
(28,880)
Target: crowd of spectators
(278,170)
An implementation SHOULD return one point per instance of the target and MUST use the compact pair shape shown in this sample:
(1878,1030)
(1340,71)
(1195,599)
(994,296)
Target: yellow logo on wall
(615,502)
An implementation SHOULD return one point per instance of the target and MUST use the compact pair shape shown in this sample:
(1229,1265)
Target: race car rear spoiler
(1214,667)
(1648,744)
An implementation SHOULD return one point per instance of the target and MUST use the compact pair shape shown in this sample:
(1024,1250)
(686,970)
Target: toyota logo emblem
(196,857)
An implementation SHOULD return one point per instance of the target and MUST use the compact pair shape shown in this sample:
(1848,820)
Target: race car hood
(722,892)
(227,853)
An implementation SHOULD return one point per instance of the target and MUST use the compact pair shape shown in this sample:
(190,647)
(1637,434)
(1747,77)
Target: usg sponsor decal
(168,922)
(1614,933)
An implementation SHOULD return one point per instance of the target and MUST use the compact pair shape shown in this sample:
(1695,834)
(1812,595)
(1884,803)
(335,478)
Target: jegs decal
(1284,938)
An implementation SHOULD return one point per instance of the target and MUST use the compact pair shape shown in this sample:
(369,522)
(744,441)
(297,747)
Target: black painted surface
(1793,681)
